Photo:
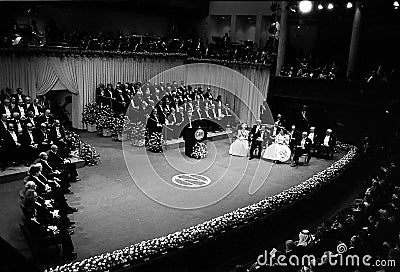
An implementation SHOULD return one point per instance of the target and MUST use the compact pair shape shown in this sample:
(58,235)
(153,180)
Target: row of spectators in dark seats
(26,129)
(167,105)
(43,203)
(369,227)
(305,69)
(220,48)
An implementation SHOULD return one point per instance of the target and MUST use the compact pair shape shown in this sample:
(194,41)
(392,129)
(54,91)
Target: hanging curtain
(66,71)
(46,77)
(243,88)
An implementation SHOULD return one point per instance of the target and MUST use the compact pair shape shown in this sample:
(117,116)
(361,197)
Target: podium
(193,135)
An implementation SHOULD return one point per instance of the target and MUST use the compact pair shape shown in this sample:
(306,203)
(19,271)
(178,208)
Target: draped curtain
(244,87)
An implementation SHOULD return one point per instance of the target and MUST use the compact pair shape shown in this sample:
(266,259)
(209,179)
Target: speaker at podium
(193,135)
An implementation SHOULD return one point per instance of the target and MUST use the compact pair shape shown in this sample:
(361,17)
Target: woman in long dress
(279,150)
(240,146)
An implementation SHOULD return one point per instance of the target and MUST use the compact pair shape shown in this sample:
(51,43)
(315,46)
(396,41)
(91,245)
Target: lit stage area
(130,196)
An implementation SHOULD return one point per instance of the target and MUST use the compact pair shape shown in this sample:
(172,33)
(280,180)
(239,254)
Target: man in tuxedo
(19,96)
(43,138)
(57,136)
(327,144)
(5,107)
(171,124)
(30,119)
(303,119)
(3,124)
(303,148)
(294,135)
(46,118)
(18,124)
(19,107)
(56,161)
(12,146)
(29,145)
(256,136)
(35,108)
(120,105)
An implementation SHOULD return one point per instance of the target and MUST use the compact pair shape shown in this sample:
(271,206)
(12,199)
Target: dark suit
(28,144)
(329,150)
(43,139)
(39,109)
(57,162)
(255,133)
(295,137)
(11,148)
(300,150)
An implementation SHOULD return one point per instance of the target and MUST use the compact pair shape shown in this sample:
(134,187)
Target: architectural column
(233,27)
(258,29)
(355,40)
(280,61)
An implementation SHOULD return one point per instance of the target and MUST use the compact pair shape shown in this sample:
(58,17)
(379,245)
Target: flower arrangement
(90,113)
(155,247)
(199,150)
(89,154)
(137,134)
(105,118)
(85,151)
(155,142)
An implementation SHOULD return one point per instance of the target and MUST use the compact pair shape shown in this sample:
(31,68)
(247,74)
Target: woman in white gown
(240,146)
(279,150)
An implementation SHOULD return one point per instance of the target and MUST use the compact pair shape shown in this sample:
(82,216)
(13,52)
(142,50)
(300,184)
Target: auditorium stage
(116,210)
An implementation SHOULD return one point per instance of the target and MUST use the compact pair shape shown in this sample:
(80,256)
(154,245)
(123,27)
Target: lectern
(193,135)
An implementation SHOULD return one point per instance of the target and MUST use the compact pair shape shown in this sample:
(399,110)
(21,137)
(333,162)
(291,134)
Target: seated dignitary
(42,137)
(301,149)
(240,147)
(29,144)
(57,137)
(327,145)
(12,146)
(256,136)
(57,162)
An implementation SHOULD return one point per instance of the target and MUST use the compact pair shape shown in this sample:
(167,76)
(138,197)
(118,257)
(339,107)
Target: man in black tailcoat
(256,136)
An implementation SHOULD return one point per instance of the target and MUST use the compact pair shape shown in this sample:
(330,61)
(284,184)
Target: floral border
(228,62)
(146,250)
(63,52)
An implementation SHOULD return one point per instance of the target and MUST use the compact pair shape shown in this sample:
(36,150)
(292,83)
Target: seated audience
(302,149)
(327,145)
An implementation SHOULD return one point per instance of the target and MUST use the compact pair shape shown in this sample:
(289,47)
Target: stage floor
(130,196)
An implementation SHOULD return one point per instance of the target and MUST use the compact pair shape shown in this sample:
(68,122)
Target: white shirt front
(14,136)
(22,111)
(8,112)
(311,136)
(326,140)
(35,110)
(31,136)
(58,132)
(303,143)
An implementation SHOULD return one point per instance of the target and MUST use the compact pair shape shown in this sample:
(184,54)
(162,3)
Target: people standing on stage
(303,119)
(256,136)
(301,149)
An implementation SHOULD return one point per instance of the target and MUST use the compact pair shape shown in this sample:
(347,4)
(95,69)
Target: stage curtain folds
(81,75)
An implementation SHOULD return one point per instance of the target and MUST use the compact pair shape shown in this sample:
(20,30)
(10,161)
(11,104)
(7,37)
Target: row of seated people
(369,227)
(281,144)
(43,203)
(126,97)
(23,138)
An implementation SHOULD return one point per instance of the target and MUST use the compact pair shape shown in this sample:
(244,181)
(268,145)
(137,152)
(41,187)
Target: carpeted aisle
(125,200)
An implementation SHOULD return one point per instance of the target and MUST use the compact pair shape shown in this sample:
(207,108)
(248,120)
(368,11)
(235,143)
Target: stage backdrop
(38,74)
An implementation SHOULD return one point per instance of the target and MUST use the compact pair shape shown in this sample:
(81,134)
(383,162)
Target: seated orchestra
(276,143)
(30,135)
(167,108)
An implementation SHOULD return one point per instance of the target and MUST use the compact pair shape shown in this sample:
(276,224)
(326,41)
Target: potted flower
(105,121)
(90,115)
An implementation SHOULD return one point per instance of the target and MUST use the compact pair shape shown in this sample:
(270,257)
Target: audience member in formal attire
(294,138)
(302,148)
(43,137)
(327,144)
(57,137)
(256,139)
(29,144)
(56,161)
(12,146)
(46,118)
(5,107)
(240,147)
(35,107)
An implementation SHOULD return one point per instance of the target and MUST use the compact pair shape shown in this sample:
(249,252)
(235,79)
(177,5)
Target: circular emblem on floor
(191,180)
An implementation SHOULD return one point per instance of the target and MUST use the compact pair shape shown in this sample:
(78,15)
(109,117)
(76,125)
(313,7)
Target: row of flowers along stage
(222,230)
